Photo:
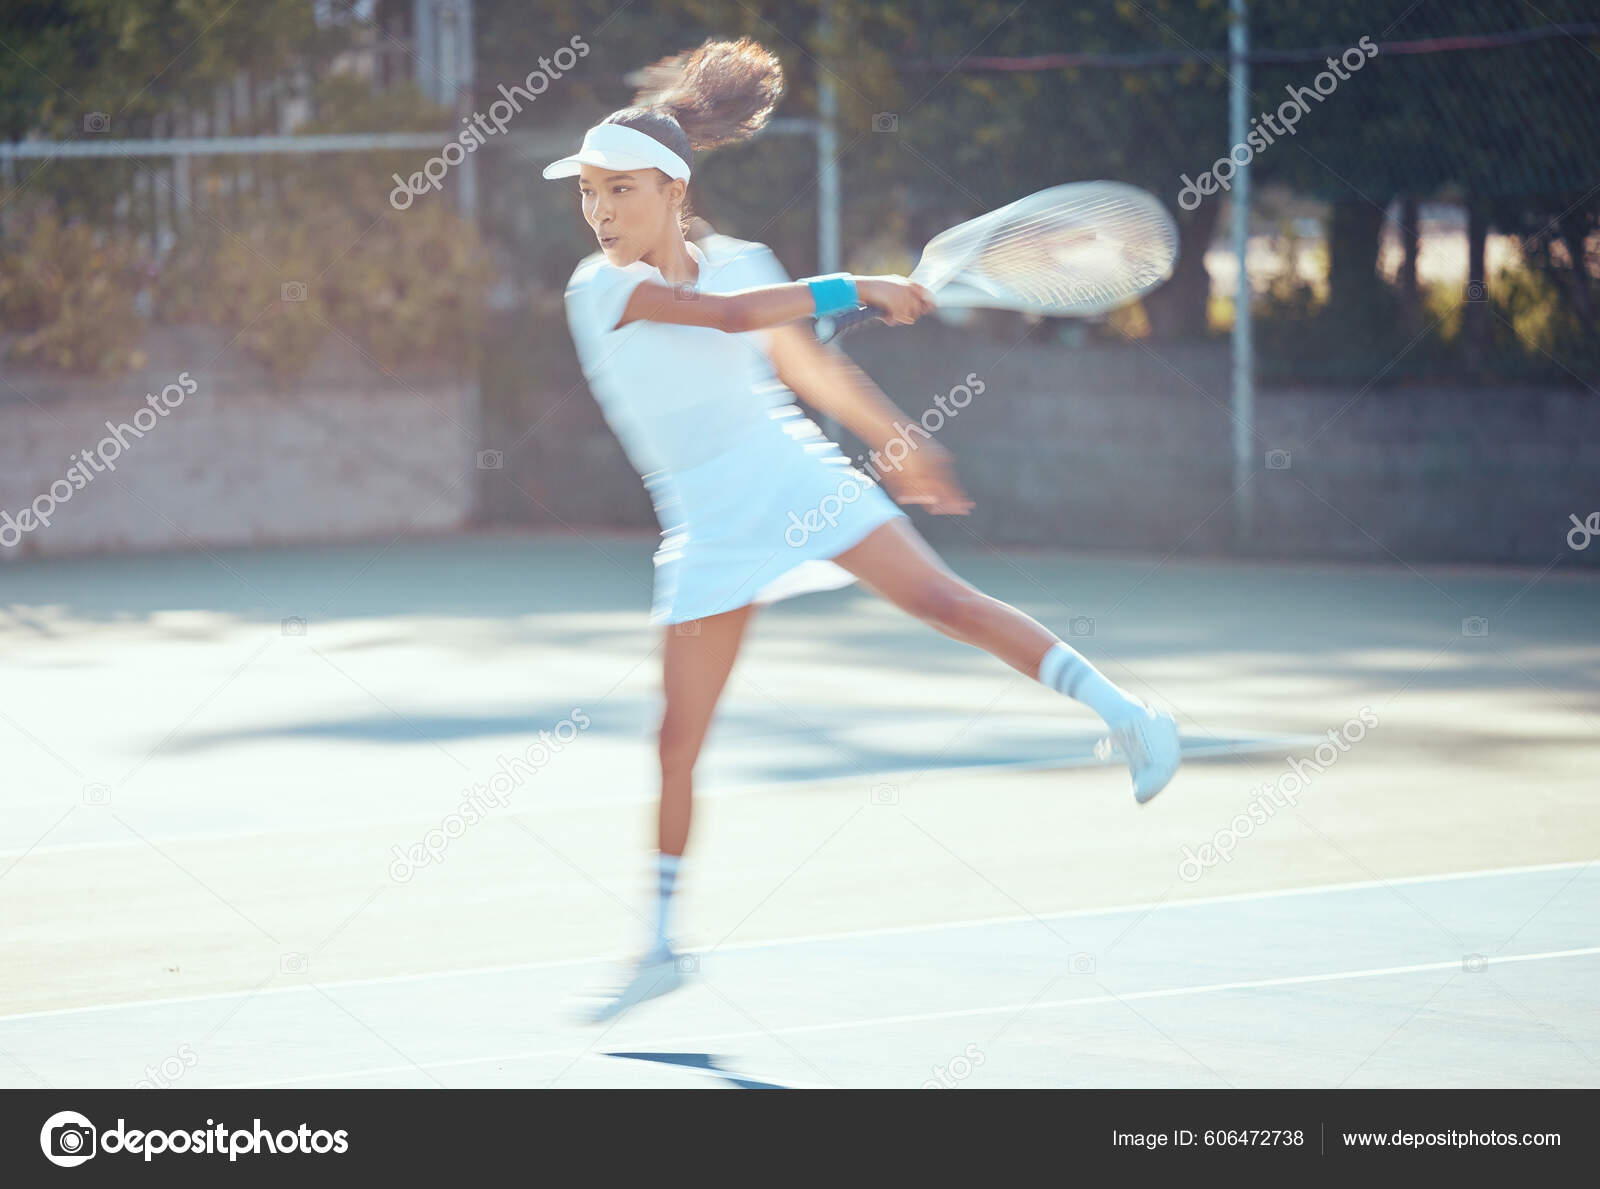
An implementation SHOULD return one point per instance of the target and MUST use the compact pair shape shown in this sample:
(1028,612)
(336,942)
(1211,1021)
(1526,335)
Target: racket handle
(833,326)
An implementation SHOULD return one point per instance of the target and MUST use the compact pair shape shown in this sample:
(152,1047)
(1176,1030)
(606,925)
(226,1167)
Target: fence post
(180,190)
(828,250)
(1243,347)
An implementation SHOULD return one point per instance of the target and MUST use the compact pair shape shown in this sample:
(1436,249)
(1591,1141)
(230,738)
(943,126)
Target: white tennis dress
(751,498)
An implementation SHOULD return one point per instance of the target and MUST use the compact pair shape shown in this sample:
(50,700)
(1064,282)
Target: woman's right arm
(902,301)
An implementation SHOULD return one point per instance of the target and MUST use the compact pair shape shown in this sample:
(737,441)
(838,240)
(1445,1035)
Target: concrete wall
(1130,448)
(345,454)
(1125,448)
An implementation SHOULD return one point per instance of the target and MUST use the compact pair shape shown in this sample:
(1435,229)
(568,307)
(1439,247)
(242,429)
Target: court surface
(907,865)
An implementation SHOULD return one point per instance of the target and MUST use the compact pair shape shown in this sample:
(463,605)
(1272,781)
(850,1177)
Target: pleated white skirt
(760,521)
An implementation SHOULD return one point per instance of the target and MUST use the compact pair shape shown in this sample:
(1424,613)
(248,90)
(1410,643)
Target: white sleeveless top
(674,395)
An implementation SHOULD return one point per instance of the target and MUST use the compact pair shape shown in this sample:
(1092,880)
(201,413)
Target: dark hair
(719,94)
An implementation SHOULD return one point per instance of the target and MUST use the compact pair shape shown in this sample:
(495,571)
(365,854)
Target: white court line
(1193,902)
(1165,993)
(850,935)
(679,1042)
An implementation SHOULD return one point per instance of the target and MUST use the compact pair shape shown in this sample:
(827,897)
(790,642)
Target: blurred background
(328,216)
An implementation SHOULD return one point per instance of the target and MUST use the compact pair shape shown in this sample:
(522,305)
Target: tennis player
(695,352)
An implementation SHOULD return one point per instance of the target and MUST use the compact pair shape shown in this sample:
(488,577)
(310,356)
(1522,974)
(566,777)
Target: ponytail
(719,94)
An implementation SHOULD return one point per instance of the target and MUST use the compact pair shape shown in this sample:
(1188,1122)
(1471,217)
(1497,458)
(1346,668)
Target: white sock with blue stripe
(1065,670)
(669,865)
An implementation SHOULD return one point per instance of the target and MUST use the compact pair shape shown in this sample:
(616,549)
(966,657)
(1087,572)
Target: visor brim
(616,162)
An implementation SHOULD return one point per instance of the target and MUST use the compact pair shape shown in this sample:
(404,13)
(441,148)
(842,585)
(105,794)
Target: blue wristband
(834,293)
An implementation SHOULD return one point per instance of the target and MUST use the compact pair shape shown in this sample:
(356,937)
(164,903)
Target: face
(632,214)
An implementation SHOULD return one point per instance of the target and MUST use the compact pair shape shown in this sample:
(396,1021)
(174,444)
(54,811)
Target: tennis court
(907,865)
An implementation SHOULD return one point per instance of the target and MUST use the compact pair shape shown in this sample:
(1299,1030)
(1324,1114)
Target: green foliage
(1531,335)
(261,277)
(1529,302)
(286,251)
(1510,129)
(132,58)
(70,291)
(416,289)
(1302,335)
(405,290)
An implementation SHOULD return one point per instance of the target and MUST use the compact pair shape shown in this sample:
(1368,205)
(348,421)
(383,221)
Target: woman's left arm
(830,382)
(827,380)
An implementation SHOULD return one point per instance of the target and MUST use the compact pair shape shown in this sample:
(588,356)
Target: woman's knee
(677,746)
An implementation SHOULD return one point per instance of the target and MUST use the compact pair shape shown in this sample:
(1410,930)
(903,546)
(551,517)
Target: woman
(693,352)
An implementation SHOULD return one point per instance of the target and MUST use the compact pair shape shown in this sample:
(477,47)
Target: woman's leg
(898,564)
(696,659)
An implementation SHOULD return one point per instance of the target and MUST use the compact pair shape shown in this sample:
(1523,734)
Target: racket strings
(1091,216)
(1063,226)
(1081,254)
(1032,272)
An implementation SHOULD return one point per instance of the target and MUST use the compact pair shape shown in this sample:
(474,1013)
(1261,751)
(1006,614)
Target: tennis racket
(1070,251)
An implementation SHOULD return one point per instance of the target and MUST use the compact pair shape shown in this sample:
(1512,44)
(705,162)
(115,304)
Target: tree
(131,59)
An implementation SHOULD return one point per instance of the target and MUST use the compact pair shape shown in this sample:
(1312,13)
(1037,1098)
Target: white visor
(614,147)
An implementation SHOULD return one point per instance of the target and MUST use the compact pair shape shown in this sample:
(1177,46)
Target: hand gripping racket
(1070,251)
